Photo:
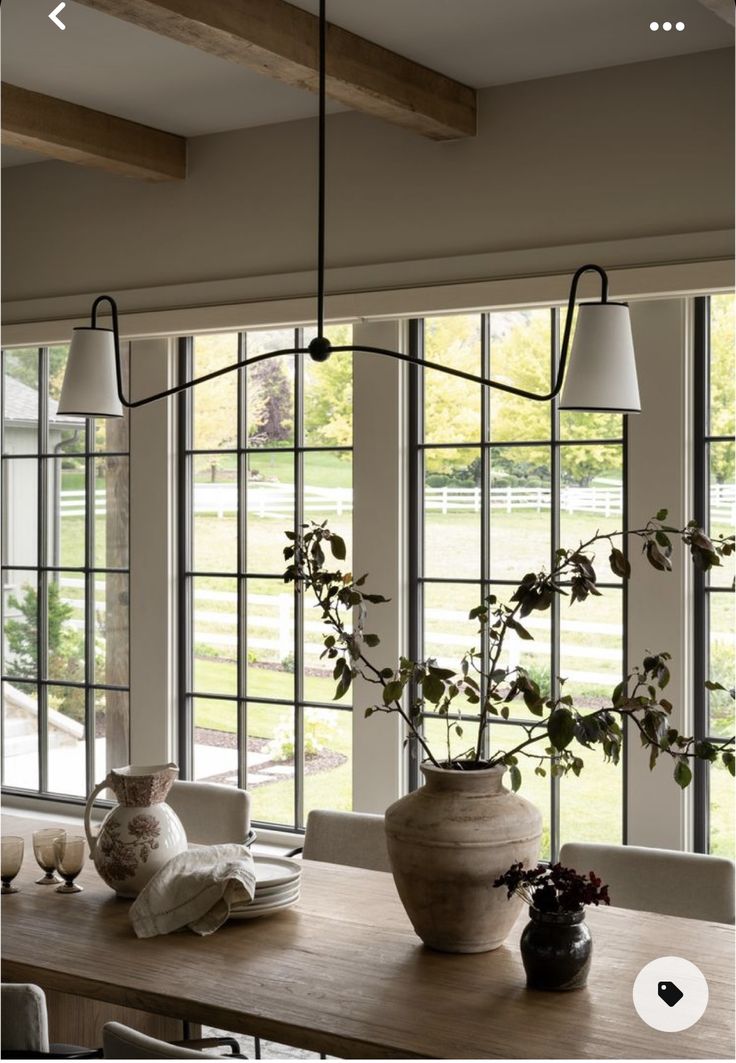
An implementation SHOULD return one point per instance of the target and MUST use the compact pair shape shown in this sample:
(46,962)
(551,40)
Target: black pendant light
(602,374)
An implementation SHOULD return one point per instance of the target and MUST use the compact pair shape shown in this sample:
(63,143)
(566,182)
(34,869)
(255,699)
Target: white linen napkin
(197,888)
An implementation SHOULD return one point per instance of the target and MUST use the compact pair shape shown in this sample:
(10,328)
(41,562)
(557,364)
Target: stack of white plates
(277,887)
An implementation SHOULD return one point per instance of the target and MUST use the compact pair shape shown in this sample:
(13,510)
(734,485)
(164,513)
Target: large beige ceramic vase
(448,842)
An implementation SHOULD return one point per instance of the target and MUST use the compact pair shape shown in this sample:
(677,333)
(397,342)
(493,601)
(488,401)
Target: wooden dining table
(344,973)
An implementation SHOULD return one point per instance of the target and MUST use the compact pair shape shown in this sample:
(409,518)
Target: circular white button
(670,994)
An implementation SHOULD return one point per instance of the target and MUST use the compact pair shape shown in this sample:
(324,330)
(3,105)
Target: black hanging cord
(320,347)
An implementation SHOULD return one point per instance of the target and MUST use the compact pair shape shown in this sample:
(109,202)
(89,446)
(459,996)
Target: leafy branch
(418,687)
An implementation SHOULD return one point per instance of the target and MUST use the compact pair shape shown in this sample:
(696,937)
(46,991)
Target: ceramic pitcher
(139,835)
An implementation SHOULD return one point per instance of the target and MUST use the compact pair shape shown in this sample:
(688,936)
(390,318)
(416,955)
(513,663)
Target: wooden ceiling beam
(281,41)
(724,9)
(66,131)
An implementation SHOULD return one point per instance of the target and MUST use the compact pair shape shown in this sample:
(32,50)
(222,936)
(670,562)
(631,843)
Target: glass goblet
(11,858)
(43,850)
(70,852)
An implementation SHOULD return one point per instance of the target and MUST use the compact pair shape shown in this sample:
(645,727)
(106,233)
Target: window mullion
(555,633)
(298,598)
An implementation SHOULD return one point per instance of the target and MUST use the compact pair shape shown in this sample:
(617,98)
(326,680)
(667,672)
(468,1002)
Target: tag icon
(669,993)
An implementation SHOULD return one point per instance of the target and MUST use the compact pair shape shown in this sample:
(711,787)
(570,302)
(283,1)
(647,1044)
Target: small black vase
(556,949)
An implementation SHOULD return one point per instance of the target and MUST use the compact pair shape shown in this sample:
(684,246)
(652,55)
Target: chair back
(25,1026)
(211,813)
(120,1042)
(659,880)
(352,838)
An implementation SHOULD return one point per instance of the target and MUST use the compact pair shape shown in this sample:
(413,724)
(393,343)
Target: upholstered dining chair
(25,1025)
(212,814)
(121,1042)
(659,880)
(355,839)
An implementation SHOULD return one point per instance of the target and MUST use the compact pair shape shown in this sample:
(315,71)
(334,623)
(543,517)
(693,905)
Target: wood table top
(343,973)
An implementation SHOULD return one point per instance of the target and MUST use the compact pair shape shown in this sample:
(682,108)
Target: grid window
(65,494)
(715,510)
(499,483)
(263,450)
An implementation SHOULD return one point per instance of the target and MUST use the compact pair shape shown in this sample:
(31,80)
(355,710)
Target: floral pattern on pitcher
(123,858)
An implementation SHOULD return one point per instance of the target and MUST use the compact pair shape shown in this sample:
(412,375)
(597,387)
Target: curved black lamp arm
(328,348)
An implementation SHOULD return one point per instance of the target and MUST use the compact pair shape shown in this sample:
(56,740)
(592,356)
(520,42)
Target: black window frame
(88,571)
(186,574)
(702,591)
(416,448)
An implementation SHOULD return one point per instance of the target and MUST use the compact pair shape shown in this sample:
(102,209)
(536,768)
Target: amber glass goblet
(11,858)
(43,850)
(70,852)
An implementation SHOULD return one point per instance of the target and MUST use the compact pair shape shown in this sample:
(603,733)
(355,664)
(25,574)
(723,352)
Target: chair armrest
(212,1042)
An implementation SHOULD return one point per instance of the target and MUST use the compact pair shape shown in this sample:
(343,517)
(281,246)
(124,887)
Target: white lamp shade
(90,387)
(601,374)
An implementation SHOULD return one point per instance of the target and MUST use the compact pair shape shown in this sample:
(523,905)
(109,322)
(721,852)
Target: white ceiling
(105,63)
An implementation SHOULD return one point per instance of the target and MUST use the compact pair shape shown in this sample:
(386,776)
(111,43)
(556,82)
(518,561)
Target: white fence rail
(275,500)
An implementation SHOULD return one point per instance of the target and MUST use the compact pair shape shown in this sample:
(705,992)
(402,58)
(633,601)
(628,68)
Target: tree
(722,391)
(328,393)
(65,648)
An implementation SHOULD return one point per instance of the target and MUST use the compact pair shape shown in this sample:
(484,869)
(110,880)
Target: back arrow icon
(54,14)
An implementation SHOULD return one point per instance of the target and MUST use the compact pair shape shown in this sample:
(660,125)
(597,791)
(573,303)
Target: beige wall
(633,154)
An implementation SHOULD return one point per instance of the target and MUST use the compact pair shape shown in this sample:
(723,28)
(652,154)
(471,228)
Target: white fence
(276,500)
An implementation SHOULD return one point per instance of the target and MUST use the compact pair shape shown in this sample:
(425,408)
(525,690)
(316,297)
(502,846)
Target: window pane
(215,418)
(270,390)
(328,393)
(112,489)
(20,735)
(328,495)
(328,756)
(452,406)
(442,735)
(319,684)
(534,788)
(111,628)
(214,636)
(66,740)
(270,510)
(722,662)
(20,395)
(20,511)
(270,639)
(591,806)
(66,435)
(722,366)
(67,511)
(575,424)
(215,497)
(591,494)
(521,491)
(20,652)
(271,762)
(722,812)
(448,631)
(520,356)
(722,459)
(65,627)
(216,741)
(591,648)
(112,726)
(452,508)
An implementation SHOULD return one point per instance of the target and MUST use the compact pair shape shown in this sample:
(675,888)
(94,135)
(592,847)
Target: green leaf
(515,778)
(433,688)
(520,630)
(368,712)
(729,762)
(371,640)
(683,775)
(619,565)
(392,691)
(337,545)
(561,728)
(662,514)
